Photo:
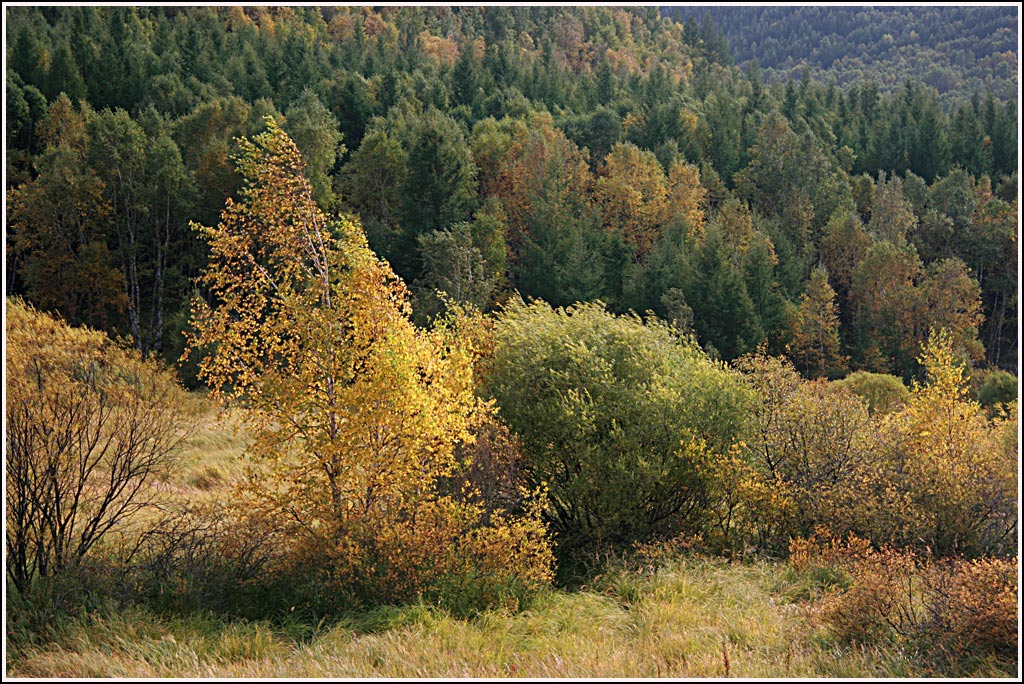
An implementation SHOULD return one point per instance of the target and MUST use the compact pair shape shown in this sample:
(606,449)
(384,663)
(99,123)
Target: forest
(331,327)
(956,50)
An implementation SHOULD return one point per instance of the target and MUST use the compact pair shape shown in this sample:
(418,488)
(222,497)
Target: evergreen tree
(60,226)
(64,75)
(315,130)
(723,315)
(441,163)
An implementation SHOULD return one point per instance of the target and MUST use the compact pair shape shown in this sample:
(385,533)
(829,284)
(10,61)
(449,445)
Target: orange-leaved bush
(955,610)
(356,412)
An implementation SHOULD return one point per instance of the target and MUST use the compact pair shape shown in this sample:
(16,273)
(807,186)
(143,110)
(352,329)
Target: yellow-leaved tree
(356,412)
(944,474)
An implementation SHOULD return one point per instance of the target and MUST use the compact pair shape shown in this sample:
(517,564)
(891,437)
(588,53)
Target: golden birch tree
(356,412)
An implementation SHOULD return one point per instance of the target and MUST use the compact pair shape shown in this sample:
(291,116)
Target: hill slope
(957,50)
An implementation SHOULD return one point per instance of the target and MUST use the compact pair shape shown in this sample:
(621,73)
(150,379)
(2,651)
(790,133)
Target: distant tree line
(956,50)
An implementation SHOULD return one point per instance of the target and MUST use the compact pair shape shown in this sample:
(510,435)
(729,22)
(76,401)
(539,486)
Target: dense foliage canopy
(619,418)
(952,49)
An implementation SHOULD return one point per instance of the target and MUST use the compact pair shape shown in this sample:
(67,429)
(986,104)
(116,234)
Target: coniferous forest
(956,50)
(512,341)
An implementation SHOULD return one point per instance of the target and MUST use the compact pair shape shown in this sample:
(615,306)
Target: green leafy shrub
(616,416)
(999,387)
(882,392)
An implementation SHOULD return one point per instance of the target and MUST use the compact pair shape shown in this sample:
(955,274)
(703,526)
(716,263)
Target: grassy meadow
(691,617)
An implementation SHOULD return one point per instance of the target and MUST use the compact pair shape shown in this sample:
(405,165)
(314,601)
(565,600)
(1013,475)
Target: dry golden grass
(692,618)
(212,455)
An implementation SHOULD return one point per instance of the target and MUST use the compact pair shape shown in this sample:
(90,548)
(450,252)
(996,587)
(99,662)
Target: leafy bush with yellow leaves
(942,476)
(936,472)
(807,444)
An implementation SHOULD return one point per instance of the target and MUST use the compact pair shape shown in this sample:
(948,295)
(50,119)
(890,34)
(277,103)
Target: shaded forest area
(956,50)
(570,154)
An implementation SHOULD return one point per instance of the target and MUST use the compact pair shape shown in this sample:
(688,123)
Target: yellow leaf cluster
(950,460)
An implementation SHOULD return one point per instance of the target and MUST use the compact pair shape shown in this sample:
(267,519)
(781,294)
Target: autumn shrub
(748,508)
(942,474)
(489,468)
(91,429)
(883,600)
(616,416)
(203,557)
(502,564)
(947,610)
(934,473)
(800,464)
(186,559)
(973,608)
(442,556)
(356,412)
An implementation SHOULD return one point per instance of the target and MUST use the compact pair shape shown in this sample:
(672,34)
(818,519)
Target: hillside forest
(503,301)
(956,50)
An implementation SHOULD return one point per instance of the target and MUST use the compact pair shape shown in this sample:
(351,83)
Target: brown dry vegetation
(694,617)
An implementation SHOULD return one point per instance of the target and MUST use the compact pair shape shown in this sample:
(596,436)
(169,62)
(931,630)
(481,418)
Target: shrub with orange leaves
(953,610)
(973,608)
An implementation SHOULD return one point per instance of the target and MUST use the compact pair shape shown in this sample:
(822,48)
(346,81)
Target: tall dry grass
(690,617)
